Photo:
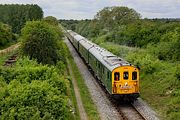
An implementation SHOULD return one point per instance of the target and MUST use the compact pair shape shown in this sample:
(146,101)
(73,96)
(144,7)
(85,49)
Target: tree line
(13,17)
(16,15)
(124,26)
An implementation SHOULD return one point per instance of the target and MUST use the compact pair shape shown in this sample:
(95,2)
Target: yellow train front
(125,82)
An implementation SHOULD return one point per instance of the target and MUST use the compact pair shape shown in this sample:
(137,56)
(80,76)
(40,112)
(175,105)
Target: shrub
(39,41)
(5,34)
(35,100)
(33,91)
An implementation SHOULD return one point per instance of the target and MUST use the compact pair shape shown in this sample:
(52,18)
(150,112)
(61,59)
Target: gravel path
(105,108)
(81,109)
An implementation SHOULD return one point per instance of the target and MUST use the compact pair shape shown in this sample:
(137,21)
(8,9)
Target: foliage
(123,26)
(51,20)
(35,100)
(55,24)
(16,15)
(39,41)
(169,47)
(69,24)
(32,91)
(5,34)
(114,16)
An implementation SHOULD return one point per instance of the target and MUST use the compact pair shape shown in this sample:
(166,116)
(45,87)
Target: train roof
(86,43)
(108,59)
(78,37)
(72,32)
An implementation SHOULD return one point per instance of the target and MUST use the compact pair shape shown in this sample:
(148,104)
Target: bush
(27,70)
(5,34)
(39,41)
(33,91)
(35,100)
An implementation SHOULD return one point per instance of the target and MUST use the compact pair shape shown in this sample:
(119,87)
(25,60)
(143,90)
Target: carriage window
(103,70)
(134,76)
(125,75)
(99,65)
(116,76)
(108,75)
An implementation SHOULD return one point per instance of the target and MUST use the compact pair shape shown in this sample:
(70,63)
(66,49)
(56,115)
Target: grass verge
(72,96)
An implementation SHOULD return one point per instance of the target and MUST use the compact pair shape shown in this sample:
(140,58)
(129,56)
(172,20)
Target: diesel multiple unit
(119,77)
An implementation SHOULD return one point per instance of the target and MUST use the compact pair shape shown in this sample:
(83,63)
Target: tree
(39,41)
(5,34)
(54,23)
(16,15)
(51,20)
(112,17)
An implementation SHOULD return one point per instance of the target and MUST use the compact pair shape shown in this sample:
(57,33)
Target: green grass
(3,58)
(89,106)
(72,96)
(6,46)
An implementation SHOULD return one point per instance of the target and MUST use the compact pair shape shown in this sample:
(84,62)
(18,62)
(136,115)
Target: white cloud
(82,9)
(155,8)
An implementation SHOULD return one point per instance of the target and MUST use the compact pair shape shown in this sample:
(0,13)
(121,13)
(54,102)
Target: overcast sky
(86,9)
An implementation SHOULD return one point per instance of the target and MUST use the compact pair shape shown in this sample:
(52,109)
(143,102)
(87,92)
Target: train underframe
(125,97)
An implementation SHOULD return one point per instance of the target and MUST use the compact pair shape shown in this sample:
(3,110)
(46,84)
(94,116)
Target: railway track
(11,60)
(127,111)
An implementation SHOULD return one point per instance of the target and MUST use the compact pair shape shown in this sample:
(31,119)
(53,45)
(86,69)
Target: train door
(116,80)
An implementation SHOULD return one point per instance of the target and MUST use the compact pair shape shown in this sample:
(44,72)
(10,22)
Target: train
(119,77)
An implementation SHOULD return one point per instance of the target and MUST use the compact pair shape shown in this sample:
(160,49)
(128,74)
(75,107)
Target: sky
(87,9)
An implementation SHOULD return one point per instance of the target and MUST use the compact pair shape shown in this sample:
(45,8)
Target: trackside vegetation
(33,91)
(36,87)
(39,41)
(151,44)
(6,35)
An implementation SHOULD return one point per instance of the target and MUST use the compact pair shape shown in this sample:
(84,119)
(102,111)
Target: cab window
(125,75)
(134,75)
(116,76)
